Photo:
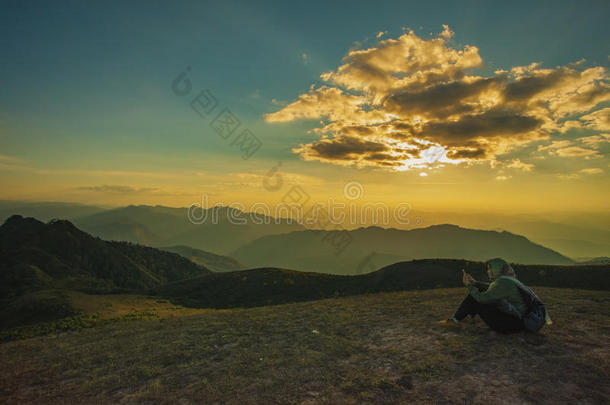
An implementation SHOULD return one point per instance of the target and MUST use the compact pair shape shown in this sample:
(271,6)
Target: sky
(454,106)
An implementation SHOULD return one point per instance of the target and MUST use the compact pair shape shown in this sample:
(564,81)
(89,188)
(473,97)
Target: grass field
(374,348)
(120,305)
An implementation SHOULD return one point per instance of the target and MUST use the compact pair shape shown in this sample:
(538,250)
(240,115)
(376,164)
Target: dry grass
(377,348)
(118,305)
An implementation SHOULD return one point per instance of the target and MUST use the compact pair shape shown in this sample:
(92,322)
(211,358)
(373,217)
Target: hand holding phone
(467,279)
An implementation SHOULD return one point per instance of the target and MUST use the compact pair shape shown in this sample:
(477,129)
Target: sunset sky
(444,105)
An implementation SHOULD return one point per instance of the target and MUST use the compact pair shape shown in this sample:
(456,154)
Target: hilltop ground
(374,348)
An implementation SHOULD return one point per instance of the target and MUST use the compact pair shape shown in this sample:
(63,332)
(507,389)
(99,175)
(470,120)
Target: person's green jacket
(503,293)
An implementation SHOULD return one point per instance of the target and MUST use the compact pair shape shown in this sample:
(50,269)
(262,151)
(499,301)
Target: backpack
(536,315)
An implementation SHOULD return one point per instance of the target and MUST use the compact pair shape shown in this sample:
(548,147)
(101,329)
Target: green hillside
(270,286)
(36,256)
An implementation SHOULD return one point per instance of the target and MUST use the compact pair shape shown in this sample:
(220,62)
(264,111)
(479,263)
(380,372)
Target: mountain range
(575,235)
(41,262)
(367,249)
(223,230)
(222,243)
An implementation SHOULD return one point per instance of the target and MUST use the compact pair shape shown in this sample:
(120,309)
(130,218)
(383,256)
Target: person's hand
(467,279)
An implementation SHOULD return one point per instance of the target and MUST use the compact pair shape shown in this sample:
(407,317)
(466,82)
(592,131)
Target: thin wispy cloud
(593,170)
(117,189)
(567,148)
(518,164)
(6,159)
(581,173)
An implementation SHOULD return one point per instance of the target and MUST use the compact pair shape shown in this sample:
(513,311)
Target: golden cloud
(598,120)
(412,102)
(566,148)
(595,140)
(518,164)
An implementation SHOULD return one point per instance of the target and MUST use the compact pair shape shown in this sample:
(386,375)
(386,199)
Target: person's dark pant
(492,316)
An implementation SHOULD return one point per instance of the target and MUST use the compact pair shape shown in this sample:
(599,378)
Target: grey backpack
(535,317)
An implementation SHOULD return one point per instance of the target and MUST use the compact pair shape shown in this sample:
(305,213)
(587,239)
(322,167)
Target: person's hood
(497,265)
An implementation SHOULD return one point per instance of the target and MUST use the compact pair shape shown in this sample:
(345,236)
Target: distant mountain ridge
(214,262)
(374,247)
(158,226)
(45,210)
(596,261)
(575,235)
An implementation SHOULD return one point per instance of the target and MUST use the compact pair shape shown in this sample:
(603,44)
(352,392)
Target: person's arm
(497,290)
(481,285)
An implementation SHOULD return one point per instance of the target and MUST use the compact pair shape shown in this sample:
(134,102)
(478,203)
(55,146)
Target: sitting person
(499,304)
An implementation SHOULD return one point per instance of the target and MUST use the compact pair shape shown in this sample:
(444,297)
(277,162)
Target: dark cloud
(468,153)
(496,123)
(440,101)
(524,88)
(387,157)
(345,148)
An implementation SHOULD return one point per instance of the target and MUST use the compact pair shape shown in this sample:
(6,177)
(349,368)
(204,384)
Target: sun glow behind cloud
(415,103)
